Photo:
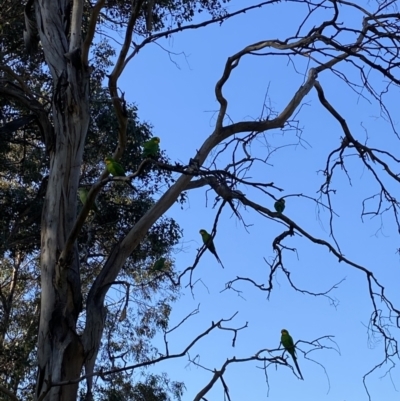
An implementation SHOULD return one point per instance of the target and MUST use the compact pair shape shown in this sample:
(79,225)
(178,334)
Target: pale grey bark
(60,352)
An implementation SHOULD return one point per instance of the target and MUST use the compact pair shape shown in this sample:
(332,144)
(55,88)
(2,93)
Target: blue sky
(179,101)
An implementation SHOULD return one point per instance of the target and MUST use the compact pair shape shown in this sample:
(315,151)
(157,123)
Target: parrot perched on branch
(151,147)
(83,194)
(209,243)
(280,205)
(288,344)
(159,265)
(114,168)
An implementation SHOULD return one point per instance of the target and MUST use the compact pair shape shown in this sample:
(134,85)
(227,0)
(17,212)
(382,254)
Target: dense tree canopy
(84,292)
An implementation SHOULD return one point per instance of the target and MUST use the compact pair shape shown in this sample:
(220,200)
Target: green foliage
(151,388)
(167,14)
(18,322)
(21,201)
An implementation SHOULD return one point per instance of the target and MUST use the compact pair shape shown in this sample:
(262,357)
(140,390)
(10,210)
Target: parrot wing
(279,205)
(150,148)
(288,344)
(159,264)
(82,192)
(118,170)
(209,243)
(83,195)
(114,167)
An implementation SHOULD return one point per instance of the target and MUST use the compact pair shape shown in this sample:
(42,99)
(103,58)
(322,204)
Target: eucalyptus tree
(59,124)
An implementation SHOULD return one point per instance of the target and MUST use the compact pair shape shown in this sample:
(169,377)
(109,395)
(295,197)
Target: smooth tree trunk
(60,350)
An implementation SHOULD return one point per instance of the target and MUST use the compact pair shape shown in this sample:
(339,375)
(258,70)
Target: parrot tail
(219,260)
(297,366)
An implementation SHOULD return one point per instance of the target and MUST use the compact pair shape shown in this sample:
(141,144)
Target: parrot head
(202,231)
(282,200)
(156,139)
(284,332)
(108,160)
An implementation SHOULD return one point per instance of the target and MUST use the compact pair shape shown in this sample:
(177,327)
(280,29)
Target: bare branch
(91,30)
(151,362)
(8,393)
(203,24)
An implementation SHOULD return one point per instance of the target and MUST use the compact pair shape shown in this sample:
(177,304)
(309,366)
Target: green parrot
(280,205)
(209,243)
(159,265)
(114,168)
(151,148)
(288,344)
(83,194)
